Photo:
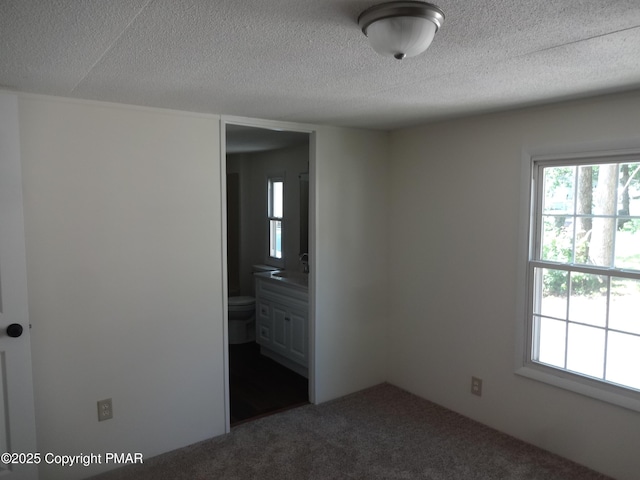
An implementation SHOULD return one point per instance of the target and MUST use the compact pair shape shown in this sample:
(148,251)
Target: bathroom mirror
(304,212)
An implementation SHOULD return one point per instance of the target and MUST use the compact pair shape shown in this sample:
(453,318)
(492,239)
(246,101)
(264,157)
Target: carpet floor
(380,433)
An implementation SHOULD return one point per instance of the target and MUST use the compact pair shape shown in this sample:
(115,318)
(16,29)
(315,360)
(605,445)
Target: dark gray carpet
(380,433)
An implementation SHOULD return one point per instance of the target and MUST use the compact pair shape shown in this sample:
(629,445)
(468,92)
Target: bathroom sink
(286,274)
(297,278)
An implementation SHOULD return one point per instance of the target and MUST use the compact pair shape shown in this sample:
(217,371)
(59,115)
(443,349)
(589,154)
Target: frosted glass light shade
(401,29)
(401,36)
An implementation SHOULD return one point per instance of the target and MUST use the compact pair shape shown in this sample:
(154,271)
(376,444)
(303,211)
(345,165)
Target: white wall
(123,239)
(454,218)
(349,257)
(123,236)
(123,232)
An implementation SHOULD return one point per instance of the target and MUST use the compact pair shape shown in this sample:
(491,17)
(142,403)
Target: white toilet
(242,314)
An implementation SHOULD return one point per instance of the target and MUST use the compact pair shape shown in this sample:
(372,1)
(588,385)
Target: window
(275,215)
(583,275)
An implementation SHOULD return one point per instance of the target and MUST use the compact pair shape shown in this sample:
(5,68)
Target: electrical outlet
(476,386)
(105,410)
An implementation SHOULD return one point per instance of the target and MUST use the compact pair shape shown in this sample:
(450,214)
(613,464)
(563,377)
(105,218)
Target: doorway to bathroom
(267,254)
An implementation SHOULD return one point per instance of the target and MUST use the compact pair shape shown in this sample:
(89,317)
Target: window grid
(275,215)
(606,321)
(538,264)
(567,322)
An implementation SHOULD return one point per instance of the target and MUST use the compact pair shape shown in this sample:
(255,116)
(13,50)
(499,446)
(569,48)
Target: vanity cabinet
(282,322)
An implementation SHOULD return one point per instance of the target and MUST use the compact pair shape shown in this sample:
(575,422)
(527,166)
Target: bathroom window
(275,215)
(583,276)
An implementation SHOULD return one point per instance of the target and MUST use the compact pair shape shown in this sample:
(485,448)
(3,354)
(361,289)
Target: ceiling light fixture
(401,29)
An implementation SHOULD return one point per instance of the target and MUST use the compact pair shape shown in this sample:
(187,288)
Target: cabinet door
(298,340)
(281,320)
(264,325)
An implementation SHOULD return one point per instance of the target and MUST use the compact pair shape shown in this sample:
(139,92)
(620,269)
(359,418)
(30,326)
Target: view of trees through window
(586,271)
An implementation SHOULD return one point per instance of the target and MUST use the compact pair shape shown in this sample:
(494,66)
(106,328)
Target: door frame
(18,407)
(278,126)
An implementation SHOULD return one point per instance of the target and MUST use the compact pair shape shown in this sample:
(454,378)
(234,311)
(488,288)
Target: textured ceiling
(307,61)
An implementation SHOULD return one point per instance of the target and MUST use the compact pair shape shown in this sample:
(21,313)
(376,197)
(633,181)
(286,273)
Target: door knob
(14,330)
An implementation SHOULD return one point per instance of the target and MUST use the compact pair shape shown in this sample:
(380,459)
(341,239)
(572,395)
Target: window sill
(275,262)
(605,392)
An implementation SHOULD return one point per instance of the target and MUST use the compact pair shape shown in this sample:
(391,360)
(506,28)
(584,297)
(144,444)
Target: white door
(17,421)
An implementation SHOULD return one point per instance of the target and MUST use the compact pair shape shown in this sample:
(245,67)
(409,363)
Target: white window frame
(271,217)
(525,366)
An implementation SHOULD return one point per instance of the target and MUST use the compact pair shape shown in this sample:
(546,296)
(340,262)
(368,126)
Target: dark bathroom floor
(259,386)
